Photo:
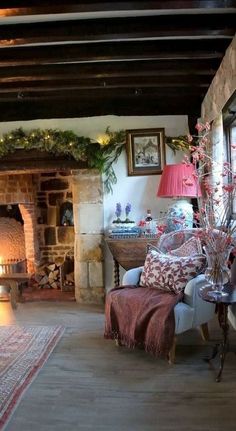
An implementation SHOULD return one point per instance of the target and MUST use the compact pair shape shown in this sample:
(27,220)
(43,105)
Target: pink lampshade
(179,181)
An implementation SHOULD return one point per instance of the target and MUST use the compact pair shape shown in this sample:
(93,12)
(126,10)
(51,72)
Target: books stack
(124,232)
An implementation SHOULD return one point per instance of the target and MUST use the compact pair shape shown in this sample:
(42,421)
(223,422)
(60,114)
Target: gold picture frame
(145,151)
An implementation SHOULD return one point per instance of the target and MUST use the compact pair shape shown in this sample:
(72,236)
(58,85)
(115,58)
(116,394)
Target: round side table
(222,303)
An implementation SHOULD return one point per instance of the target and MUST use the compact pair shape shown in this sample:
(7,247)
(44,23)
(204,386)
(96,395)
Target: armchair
(189,313)
(192,311)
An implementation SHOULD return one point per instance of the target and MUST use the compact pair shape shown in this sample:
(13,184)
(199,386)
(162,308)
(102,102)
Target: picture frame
(145,151)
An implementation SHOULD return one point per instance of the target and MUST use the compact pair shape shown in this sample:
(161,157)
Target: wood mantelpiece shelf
(128,253)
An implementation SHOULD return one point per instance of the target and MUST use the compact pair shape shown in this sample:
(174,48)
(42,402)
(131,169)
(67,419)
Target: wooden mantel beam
(34,161)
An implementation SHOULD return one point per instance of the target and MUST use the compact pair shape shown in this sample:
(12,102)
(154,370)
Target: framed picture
(145,151)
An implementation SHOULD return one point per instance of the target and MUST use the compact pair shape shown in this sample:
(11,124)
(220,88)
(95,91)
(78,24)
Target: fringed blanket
(142,317)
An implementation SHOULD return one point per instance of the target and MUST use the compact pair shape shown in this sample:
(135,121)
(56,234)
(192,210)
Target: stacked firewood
(53,276)
(47,277)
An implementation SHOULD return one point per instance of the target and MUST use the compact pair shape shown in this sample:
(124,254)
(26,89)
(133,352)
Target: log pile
(47,277)
(53,276)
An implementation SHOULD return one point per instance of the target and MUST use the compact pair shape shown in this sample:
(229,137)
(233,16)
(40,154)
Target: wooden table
(128,253)
(13,280)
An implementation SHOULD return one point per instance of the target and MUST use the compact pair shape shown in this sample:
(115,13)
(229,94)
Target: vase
(179,215)
(217,272)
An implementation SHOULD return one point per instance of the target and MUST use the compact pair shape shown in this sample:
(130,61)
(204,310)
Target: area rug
(23,352)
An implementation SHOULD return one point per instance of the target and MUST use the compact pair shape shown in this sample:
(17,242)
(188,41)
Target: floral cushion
(189,248)
(173,240)
(170,273)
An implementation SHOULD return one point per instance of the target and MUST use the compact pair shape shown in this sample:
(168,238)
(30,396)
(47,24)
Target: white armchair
(192,311)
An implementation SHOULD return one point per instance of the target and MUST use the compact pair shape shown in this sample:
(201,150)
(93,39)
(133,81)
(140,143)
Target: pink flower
(142,223)
(228,187)
(200,127)
(161,228)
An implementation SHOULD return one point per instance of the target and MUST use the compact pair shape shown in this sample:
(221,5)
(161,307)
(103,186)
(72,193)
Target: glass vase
(217,272)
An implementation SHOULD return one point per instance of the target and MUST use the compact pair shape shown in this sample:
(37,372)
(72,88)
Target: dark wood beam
(162,50)
(28,110)
(16,8)
(101,93)
(34,161)
(145,68)
(112,29)
(60,85)
(82,58)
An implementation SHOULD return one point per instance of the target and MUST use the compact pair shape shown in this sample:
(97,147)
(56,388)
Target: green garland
(68,143)
(98,156)
(179,143)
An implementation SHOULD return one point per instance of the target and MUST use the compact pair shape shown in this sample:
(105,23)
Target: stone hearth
(41,198)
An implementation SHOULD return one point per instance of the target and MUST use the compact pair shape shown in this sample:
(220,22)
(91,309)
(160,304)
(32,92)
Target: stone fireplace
(62,214)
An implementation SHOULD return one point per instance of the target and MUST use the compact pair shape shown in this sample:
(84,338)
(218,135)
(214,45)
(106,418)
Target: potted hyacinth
(125,223)
(118,211)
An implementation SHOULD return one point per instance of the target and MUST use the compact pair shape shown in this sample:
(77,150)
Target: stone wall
(40,198)
(52,191)
(222,86)
(15,189)
(88,216)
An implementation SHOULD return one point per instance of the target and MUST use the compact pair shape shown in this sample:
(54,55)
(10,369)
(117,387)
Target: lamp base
(179,215)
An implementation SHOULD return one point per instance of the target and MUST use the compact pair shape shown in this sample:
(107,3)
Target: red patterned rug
(23,351)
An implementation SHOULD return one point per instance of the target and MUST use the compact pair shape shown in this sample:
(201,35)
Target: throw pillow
(189,248)
(170,273)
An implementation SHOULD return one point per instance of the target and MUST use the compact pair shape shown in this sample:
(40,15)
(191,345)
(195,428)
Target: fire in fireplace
(12,246)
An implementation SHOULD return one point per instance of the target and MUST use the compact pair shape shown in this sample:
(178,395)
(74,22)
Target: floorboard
(89,384)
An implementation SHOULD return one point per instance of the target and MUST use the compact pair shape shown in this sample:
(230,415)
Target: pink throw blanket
(142,317)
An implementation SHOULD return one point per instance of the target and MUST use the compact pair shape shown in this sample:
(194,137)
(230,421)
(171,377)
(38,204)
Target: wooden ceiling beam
(101,93)
(11,111)
(96,83)
(162,50)
(195,67)
(111,29)
(66,7)
(81,59)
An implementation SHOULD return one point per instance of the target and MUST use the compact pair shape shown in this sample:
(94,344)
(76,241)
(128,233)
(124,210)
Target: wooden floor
(89,384)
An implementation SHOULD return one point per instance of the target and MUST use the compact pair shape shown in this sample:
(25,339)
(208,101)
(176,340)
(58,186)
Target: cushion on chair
(173,240)
(190,247)
(170,273)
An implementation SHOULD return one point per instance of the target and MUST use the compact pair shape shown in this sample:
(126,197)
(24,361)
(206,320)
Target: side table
(128,253)
(222,303)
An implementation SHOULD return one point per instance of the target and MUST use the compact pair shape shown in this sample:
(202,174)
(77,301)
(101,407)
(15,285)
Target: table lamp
(179,181)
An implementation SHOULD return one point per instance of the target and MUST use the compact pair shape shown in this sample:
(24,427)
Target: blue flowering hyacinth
(118,210)
(127,209)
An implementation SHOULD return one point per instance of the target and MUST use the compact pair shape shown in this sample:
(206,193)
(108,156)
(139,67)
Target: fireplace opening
(12,251)
(56,210)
